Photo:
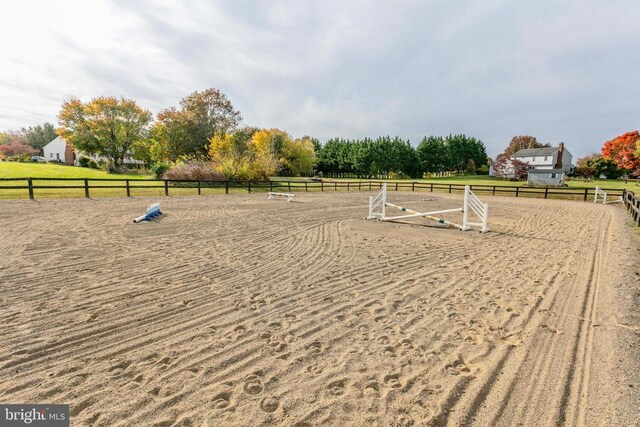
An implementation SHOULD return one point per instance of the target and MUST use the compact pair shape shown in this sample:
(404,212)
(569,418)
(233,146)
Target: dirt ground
(238,310)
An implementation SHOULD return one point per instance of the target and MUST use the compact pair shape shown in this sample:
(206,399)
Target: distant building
(546,158)
(59,151)
(548,165)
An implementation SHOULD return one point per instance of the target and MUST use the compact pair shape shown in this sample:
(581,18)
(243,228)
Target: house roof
(528,152)
(56,141)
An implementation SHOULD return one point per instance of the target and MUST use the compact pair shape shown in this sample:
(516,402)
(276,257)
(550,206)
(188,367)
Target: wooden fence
(32,186)
(632,203)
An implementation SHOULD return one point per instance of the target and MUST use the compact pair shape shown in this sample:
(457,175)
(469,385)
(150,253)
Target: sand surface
(236,310)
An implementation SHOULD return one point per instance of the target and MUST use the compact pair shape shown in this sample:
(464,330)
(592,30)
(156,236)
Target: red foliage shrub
(194,170)
(18,150)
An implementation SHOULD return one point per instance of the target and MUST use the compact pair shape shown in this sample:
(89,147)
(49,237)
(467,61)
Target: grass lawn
(52,170)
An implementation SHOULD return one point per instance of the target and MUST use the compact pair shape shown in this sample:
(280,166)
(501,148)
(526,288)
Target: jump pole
(416,214)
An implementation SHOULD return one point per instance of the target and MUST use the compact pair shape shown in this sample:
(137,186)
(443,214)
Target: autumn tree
(297,157)
(622,150)
(522,142)
(251,153)
(104,126)
(188,130)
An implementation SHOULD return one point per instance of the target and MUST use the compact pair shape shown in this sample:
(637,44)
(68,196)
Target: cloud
(493,69)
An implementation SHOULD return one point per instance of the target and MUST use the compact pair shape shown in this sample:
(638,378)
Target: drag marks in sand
(241,311)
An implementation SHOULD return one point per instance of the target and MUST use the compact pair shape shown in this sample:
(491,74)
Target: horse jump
(471,203)
(603,195)
(289,196)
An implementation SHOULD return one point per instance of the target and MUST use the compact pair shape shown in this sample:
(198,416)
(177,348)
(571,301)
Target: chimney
(560,152)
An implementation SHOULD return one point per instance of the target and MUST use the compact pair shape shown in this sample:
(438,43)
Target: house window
(553,175)
(57,156)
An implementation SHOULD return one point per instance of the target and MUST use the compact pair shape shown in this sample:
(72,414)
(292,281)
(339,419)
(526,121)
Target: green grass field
(52,170)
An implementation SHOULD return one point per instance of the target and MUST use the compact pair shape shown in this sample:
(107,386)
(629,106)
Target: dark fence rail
(32,185)
(632,203)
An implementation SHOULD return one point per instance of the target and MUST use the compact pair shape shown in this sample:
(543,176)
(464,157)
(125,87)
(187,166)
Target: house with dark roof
(548,165)
(546,158)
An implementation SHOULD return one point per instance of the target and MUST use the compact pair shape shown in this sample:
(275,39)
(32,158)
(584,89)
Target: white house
(548,165)
(59,151)
(56,151)
(546,158)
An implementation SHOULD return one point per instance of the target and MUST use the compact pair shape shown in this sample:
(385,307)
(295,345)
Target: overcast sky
(558,70)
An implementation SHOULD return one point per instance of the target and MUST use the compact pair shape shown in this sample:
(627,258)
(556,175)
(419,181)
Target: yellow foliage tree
(259,154)
(298,157)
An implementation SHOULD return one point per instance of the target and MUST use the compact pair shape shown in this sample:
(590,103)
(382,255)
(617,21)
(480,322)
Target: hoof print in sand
(336,388)
(270,404)
(222,400)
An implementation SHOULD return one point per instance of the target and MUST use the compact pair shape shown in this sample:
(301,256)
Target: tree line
(387,157)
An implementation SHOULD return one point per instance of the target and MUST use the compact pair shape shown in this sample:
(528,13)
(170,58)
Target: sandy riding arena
(238,310)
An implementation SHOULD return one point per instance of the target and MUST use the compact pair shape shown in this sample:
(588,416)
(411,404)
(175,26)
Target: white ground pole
(471,202)
(603,196)
(289,196)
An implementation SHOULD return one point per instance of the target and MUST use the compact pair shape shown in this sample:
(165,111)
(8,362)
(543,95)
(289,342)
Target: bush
(86,162)
(196,170)
(159,169)
(483,170)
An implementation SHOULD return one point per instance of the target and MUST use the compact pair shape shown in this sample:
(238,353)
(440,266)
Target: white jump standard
(471,203)
(603,195)
(289,196)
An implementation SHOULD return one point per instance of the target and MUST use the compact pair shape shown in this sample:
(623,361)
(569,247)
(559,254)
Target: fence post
(432,187)
(369,185)
(321,186)
(517,190)
(359,185)
(494,191)
(248,186)
(396,186)
(306,187)
(335,185)
(413,186)
(586,194)
(226,187)
(128,189)
(289,183)
(199,190)
(86,188)
(30,183)
(546,192)
(449,188)
(166,187)
(348,184)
